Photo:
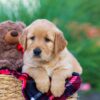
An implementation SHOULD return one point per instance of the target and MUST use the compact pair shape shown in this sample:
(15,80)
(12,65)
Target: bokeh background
(80,22)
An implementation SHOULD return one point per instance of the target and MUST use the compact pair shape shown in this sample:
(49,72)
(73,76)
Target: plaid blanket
(31,93)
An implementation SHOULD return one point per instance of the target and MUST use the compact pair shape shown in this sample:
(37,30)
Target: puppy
(46,56)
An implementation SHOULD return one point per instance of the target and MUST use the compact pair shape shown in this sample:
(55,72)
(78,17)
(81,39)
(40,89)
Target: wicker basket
(10,88)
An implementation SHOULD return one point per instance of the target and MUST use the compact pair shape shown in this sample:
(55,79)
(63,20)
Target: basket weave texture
(10,88)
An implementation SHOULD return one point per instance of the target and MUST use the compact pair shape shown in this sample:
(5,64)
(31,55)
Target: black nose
(37,51)
(14,33)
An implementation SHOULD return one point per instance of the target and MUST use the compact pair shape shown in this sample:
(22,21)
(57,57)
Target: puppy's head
(42,40)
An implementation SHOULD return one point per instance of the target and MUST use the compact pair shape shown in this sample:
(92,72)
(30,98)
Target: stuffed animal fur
(10,57)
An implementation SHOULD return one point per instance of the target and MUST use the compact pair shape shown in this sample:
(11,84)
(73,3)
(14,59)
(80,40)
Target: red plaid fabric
(31,93)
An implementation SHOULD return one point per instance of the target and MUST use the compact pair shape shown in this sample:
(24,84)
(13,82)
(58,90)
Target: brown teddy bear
(10,57)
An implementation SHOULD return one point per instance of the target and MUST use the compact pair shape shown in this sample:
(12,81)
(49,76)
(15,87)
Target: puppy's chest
(50,67)
(60,63)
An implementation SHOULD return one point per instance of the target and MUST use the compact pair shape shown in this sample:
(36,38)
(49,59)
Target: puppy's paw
(43,85)
(57,89)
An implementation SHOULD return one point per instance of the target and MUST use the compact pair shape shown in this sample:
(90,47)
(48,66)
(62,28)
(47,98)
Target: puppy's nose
(14,33)
(37,51)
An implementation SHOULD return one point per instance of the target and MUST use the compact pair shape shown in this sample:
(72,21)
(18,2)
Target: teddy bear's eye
(47,39)
(32,38)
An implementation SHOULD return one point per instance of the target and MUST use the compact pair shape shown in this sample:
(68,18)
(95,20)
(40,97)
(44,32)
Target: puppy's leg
(73,97)
(58,81)
(41,78)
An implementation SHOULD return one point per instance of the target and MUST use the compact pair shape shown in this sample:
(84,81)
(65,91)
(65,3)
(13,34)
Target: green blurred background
(78,19)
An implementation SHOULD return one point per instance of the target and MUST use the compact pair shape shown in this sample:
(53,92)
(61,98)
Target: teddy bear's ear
(60,43)
(23,39)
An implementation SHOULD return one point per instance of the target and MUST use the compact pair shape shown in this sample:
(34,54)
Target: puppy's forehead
(43,22)
(41,30)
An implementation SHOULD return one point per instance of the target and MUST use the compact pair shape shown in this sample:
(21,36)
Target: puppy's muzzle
(37,52)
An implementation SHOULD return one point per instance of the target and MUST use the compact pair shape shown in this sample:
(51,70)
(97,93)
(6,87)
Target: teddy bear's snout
(11,37)
(14,33)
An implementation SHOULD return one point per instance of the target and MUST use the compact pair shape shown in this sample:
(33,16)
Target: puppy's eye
(32,38)
(47,39)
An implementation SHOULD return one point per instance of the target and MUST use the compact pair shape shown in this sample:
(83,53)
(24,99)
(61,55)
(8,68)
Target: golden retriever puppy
(46,56)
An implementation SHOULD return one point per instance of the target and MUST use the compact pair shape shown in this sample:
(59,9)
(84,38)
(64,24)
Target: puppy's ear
(60,43)
(23,39)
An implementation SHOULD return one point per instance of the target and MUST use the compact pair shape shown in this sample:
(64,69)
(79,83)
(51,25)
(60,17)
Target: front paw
(43,85)
(57,88)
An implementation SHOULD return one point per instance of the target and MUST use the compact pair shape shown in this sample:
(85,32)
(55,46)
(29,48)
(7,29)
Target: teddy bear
(10,57)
